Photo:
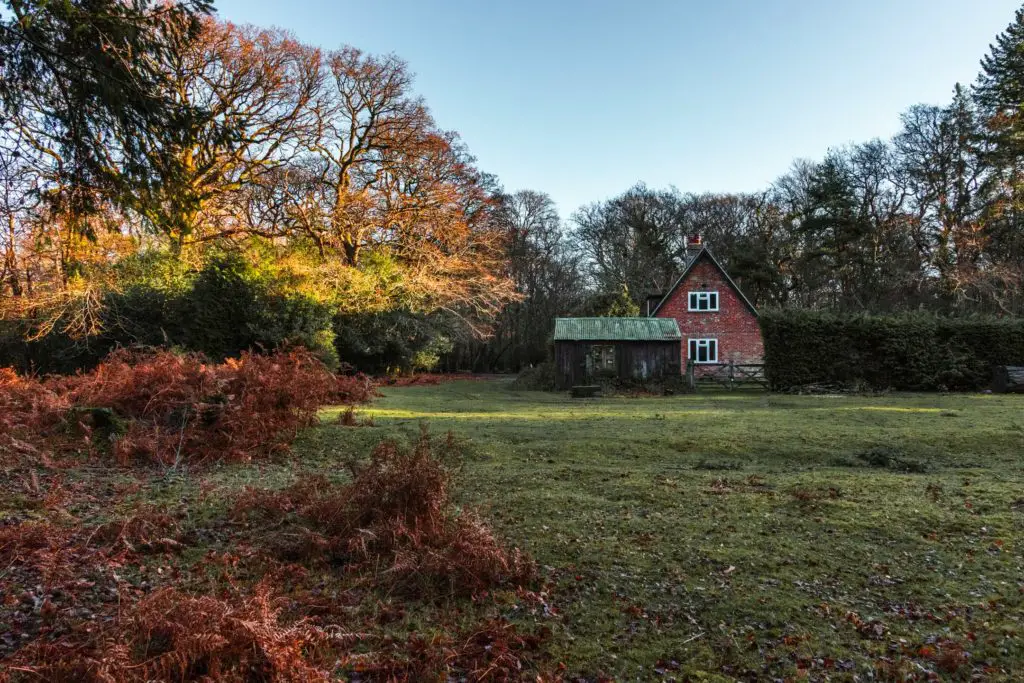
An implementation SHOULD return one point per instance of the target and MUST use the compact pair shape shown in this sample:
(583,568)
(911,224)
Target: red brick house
(717,322)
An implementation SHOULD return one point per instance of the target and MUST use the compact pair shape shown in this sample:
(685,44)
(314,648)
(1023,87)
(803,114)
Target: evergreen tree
(77,75)
(999,92)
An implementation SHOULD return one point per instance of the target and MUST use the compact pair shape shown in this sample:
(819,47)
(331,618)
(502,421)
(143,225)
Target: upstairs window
(703,301)
(703,350)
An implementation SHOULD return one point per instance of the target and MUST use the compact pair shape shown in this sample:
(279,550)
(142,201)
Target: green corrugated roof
(616,329)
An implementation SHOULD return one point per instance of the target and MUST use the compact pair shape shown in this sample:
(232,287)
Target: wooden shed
(589,350)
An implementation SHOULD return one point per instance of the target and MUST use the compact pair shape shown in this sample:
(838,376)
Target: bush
(54,353)
(159,406)
(910,353)
(398,521)
(232,307)
(541,377)
(390,341)
(227,307)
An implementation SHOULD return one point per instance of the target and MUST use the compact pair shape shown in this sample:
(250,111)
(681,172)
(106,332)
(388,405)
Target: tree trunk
(351,253)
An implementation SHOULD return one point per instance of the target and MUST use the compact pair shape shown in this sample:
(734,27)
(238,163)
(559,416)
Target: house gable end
(689,268)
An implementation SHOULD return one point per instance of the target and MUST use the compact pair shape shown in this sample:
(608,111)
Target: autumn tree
(256,88)
(378,174)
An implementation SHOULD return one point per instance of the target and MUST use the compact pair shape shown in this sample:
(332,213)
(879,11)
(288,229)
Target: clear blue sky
(581,99)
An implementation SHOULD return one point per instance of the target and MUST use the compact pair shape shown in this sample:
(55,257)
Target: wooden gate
(728,375)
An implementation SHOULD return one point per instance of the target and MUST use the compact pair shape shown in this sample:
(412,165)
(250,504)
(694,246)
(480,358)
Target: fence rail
(730,375)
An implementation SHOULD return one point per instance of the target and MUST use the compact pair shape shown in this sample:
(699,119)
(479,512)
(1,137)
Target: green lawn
(748,536)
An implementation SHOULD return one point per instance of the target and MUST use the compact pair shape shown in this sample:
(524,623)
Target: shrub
(226,307)
(179,407)
(55,352)
(160,406)
(232,306)
(29,411)
(182,636)
(912,352)
(390,341)
(397,521)
(540,377)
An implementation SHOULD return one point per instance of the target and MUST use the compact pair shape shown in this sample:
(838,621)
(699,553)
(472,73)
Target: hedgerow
(911,352)
(225,307)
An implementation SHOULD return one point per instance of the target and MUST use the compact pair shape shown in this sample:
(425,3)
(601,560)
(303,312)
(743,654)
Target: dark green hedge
(391,341)
(911,352)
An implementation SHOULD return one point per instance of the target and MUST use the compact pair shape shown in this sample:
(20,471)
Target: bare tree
(256,87)
(378,173)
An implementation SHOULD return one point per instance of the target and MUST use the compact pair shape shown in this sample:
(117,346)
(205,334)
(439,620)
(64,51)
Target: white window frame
(696,298)
(693,350)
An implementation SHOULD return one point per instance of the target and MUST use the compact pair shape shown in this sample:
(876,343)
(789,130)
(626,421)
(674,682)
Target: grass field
(748,536)
(708,537)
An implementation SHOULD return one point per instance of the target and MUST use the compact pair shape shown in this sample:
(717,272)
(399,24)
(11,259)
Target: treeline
(229,187)
(928,221)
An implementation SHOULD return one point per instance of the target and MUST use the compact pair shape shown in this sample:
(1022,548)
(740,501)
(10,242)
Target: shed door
(601,361)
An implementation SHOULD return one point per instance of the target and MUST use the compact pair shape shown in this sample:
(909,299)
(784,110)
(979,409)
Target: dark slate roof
(616,329)
(686,271)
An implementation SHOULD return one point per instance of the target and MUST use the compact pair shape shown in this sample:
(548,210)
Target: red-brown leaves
(29,411)
(173,636)
(148,529)
(120,596)
(492,651)
(39,547)
(393,530)
(181,408)
(171,408)
(396,521)
(351,389)
(184,637)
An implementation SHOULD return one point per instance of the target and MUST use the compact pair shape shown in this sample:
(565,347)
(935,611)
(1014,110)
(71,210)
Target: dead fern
(170,408)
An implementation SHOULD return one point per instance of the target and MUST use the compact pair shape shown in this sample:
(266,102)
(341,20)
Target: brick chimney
(694,244)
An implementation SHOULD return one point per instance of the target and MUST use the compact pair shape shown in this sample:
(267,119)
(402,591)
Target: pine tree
(999,92)
(77,74)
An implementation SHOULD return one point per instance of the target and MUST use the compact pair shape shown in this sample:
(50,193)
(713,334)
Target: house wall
(636,360)
(734,324)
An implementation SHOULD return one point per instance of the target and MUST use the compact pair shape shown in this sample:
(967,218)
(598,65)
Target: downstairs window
(703,350)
